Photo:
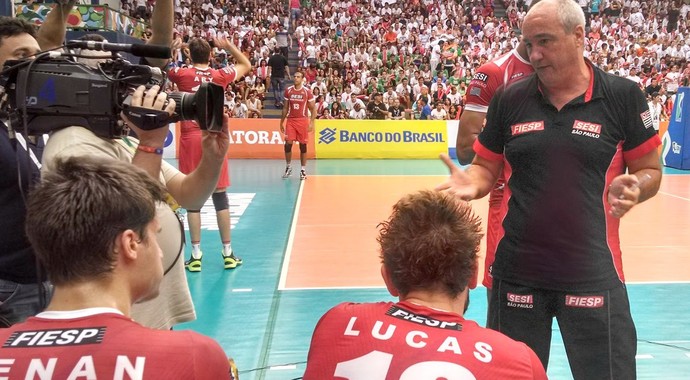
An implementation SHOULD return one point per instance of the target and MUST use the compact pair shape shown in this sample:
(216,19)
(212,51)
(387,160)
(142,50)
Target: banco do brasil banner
(380,138)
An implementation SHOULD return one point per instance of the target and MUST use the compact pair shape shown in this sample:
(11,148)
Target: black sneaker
(193,265)
(288,172)
(302,174)
(232,261)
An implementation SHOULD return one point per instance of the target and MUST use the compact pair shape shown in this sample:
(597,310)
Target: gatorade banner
(381,138)
(676,141)
(261,138)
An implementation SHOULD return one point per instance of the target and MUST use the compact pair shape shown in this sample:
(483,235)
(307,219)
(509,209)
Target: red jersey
(100,343)
(188,79)
(385,340)
(297,101)
(505,69)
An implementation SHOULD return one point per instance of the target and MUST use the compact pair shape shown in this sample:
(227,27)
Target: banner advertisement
(381,138)
(452,128)
(261,138)
(676,141)
(170,144)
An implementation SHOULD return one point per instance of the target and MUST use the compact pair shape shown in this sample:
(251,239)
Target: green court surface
(267,330)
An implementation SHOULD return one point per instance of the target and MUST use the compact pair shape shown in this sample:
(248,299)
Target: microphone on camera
(139,50)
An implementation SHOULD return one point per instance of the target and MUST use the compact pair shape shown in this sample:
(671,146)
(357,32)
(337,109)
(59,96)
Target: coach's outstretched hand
(459,183)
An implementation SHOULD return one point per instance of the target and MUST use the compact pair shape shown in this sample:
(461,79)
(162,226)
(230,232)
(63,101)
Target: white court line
(478,286)
(282,367)
(656,282)
(687,354)
(240,290)
(383,175)
(291,239)
(674,196)
(336,287)
(644,356)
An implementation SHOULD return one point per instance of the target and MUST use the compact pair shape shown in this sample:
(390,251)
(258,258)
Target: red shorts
(190,152)
(494,229)
(297,129)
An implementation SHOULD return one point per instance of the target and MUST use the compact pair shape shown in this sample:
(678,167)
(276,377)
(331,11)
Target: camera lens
(204,106)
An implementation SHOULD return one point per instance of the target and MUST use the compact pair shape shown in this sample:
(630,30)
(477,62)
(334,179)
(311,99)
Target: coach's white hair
(569,13)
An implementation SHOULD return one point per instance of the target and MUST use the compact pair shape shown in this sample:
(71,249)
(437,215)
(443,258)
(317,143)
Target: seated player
(429,251)
(93,225)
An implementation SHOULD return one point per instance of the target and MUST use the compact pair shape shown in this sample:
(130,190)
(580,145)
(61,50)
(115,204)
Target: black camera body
(55,92)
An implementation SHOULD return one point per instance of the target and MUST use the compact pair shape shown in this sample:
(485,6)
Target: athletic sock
(227,249)
(196,251)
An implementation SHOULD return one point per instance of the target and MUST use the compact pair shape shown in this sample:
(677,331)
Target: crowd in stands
(420,54)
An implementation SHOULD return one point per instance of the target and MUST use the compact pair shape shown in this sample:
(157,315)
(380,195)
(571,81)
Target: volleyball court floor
(309,245)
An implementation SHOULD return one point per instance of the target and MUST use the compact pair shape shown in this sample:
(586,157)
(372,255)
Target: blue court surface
(267,331)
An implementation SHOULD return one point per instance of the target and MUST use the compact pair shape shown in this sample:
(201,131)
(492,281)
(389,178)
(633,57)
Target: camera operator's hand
(215,145)
(155,99)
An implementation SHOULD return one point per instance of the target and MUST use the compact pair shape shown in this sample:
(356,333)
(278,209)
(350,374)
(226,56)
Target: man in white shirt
(240,111)
(439,113)
(358,112)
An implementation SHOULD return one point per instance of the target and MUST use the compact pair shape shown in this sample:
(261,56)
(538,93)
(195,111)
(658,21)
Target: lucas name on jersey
(417,339)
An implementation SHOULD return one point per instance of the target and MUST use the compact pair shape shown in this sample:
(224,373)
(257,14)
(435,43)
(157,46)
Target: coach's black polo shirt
(557,233)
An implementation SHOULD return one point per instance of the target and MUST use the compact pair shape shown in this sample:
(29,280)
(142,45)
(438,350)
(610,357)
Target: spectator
(358,112)
(337,111)
(658,113)
(253,106)
(423,109)
(454,112)
(397,111)
(240,111)
(278,69)
(376,109)
(438,113)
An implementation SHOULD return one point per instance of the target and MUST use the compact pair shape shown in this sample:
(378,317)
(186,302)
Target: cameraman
(22,294)
(174,304)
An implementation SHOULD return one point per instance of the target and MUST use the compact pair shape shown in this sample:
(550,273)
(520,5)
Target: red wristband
(150,149)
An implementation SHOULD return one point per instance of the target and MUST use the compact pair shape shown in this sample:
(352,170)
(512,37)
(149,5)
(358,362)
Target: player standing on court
(188,80)
(298,99)
(504,70)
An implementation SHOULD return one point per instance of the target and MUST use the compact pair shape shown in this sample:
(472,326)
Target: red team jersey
(297,101)
(404,341)
(188,79)
(504,70)
(103,344)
